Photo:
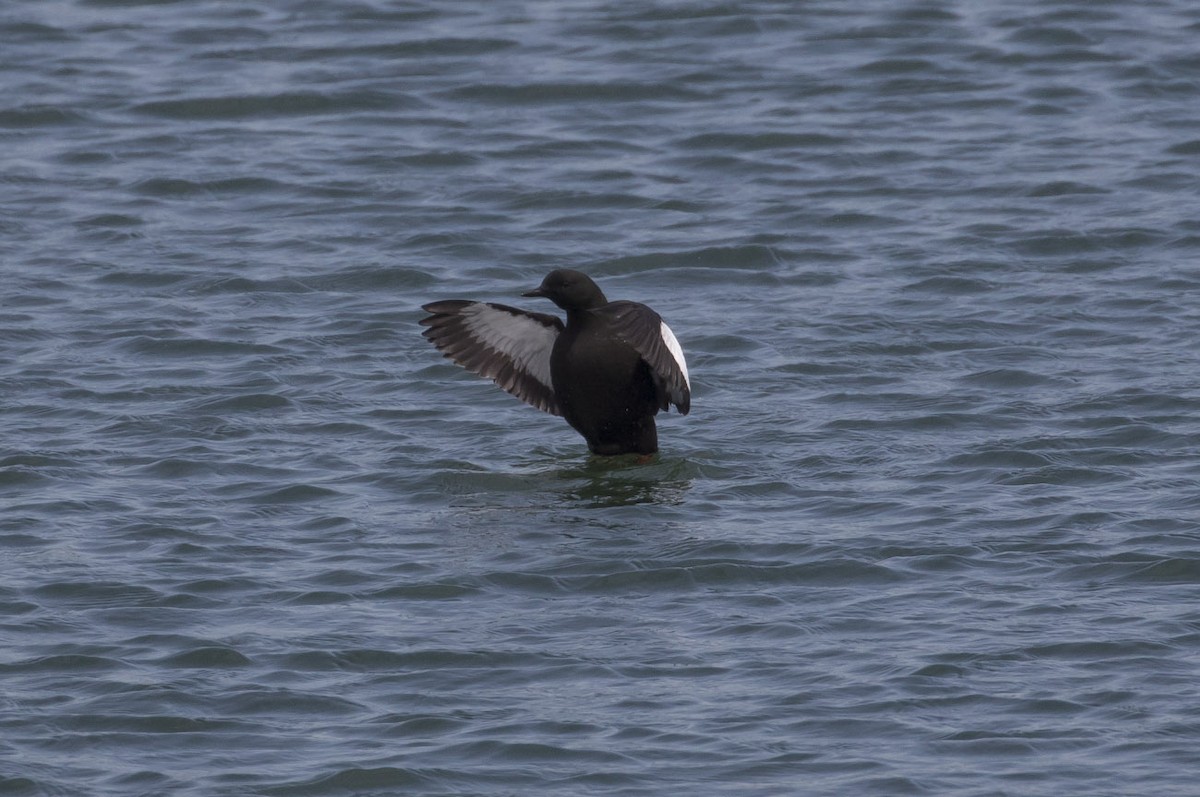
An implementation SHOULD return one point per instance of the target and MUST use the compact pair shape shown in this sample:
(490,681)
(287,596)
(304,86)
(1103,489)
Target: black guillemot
(607,371)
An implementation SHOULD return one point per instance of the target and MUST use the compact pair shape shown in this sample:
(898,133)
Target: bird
(607,371)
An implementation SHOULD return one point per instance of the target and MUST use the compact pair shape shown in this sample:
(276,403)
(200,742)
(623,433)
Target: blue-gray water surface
(931,528)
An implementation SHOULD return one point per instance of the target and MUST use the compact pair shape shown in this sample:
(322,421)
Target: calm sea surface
(932,527)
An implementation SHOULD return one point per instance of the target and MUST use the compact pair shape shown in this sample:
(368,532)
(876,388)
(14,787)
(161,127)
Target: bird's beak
(534,292)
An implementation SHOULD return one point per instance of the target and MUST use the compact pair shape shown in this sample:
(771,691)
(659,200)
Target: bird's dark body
(607,392)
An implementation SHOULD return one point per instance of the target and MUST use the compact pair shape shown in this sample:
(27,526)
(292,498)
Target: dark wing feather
(649,335)
(506,344)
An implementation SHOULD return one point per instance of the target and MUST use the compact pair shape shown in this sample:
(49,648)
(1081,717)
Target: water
(932,527)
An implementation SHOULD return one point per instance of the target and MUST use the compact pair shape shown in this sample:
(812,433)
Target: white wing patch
(676,350)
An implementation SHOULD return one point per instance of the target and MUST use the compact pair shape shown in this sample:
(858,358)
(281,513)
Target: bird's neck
(577,315)
(578,312)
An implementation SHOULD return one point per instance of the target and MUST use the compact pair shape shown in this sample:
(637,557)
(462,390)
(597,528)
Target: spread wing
(644,329)
(508,345)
